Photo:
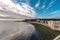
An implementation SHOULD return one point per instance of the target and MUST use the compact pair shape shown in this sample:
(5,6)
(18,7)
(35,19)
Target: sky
(13,9)
(39,8)
(44,8)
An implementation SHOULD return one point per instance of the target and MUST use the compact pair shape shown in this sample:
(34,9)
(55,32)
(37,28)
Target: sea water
(10,30)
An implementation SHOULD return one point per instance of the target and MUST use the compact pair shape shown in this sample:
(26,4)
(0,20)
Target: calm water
(10,30)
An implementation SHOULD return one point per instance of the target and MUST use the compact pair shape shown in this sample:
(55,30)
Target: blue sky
(44,8)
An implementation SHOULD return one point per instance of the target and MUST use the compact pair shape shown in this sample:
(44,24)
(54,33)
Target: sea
(11,30)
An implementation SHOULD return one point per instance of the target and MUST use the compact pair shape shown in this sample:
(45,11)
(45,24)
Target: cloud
(29,9)
(43,5)
(46,8)
(55,14)
(23,9)
(38,3)
(27,1)
(3,15)
(50,4)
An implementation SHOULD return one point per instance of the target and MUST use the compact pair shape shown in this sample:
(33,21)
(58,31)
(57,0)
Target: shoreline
(45,32)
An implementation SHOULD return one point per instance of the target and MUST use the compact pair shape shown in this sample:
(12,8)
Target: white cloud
(3,15)
(27,1)
(23,9)
(37,4)
(55,14)
(43,6)
(50,4)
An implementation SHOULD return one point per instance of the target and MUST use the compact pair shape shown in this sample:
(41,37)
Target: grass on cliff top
(46,33)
